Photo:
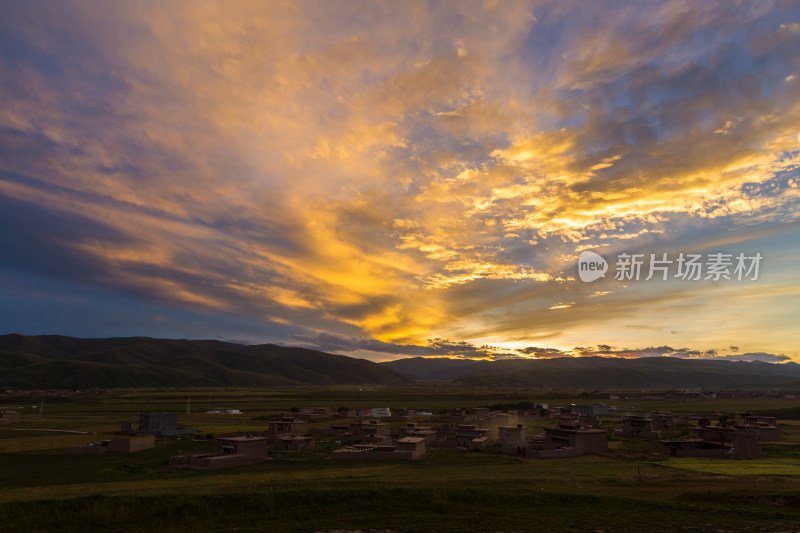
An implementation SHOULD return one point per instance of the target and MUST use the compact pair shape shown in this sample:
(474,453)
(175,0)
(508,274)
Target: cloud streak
(369,176)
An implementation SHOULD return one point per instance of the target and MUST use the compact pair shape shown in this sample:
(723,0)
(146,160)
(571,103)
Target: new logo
(591,266)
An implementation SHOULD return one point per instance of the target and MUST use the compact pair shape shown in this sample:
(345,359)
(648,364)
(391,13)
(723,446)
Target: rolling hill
(598,372)
(53,361)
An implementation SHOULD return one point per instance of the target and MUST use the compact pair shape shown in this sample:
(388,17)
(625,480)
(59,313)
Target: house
(479,414)
(413,430)
(340,431)
(714,442)
(404,448)
(638,426)
(380,412)
(371,429)
(452,418)
(505,419)
(412,446)
(513,439)
(766,426)
(662,421)
(748,418)
(294,443)
(98,447)
(132,444)
(470,436)
(287,425)
(405,414)
(596,409)
(231,451)
(158,423)
(566,440)
(115,445)
(9,417)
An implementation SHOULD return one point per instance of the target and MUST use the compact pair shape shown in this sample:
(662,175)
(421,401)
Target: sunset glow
(391,179)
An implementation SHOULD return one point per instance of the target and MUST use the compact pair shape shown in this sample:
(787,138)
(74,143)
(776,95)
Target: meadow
(628,489)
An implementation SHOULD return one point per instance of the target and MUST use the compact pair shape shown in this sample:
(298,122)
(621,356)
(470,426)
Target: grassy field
(628,489)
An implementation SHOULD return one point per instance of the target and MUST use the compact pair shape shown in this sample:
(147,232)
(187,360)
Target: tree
(704,422)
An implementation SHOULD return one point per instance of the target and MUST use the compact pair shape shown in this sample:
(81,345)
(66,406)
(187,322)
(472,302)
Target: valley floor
(628,489)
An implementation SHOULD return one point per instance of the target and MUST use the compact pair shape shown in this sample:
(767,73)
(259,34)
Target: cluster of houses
(566,431)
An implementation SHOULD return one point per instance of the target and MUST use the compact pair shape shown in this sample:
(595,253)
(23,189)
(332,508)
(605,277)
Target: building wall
(591,441)
(295,445)
(254,448)
(9,417)
(85,450)
(293,427)
(132,444)
(769,433)
(344,453)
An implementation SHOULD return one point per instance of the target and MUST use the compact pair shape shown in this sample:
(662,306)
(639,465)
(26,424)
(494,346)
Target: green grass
(754,467)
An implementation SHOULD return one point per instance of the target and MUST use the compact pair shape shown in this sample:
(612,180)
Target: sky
(392,179)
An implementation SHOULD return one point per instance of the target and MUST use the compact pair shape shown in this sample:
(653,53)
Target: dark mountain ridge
(54,361)
(598,372)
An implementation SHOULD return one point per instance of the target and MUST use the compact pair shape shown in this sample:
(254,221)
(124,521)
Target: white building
(380,412)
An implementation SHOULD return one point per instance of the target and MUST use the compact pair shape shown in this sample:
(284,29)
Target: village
(381,433)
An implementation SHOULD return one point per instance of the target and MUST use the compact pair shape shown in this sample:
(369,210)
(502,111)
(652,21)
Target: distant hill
(598,372)
(53,361)
(432,369)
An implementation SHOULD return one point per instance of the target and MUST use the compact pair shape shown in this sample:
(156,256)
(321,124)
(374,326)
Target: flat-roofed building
(471,436)
(766,426)
(513,439)
(97,447)
(748,417)
(413,430)
(505,419)
(231,451)
(294,443)
(371,428)
(662,421)
(380,412)
(404,448)
(639,427)
(404,414)
(135,443)
(565,440)
(479,414)
(287,425)
(714,442)
(132,444)
(9,417)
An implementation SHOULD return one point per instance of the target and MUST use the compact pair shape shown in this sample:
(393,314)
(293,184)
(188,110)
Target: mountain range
(598,372)
(53,361)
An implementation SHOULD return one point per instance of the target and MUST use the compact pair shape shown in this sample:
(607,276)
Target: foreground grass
(397,509)
(445,491)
